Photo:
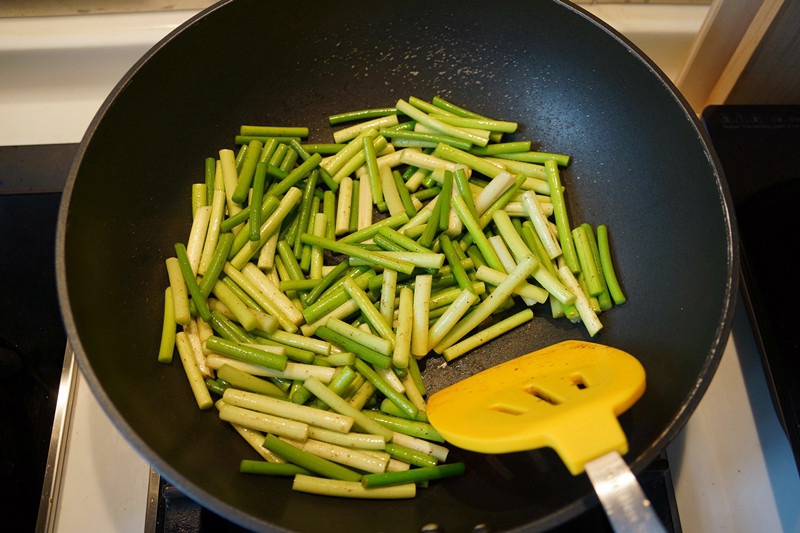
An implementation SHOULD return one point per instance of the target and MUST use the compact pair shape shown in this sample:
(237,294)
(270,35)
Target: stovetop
(731,464)
(759,148)
(32,337)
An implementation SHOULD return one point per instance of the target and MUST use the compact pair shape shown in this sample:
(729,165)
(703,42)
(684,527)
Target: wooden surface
(772,75)
(726,42)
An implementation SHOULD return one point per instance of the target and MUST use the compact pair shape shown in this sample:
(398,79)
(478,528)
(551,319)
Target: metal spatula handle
(623,499)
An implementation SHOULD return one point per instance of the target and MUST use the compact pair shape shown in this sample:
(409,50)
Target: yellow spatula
(566,397)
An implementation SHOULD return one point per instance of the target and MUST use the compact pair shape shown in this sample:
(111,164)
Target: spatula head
(566,397)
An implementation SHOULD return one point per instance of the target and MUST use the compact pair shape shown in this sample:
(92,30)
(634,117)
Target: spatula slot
(535,391)
(507,410)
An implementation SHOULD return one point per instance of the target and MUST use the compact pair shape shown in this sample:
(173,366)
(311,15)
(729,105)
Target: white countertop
(732,466)
(97,458)
(738,476)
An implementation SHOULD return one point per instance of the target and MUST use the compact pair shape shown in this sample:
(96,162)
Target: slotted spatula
(567,397)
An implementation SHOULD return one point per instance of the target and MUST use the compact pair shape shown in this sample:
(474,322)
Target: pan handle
(623,499)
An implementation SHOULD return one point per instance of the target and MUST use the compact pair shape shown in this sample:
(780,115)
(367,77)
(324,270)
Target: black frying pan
(642,165)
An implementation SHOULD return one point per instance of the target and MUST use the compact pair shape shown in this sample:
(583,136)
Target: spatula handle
(623,499)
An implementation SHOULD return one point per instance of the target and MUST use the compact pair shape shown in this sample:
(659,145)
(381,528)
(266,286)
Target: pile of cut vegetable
(316,276)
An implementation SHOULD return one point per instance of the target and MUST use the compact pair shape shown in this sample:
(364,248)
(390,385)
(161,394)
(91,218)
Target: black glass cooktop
(32,337)
(759,149)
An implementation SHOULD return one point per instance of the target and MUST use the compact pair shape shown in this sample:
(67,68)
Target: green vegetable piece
(294,177)
(397,398)
(180,293)
(361,235)
(425,139)
(405,195)
(407,426)
(432,225)
(357,251)
(338,404)
(247,172)
(192,371)
(436,124)
(413,475)
(410,456)
(246,353)
(527,156)
(561,216)
(478,236)
(226,329)
(168,329)
(210,174)
(455,263)
(216,386)
(310,462)
(266,468)
(371,162)
(241,312)
(191,282)
(274,131)
(607,263)
(364,352)
(444,197)
(361,114)
(589,271)
(604,298)
(369,310)
(324,283)
(243,380)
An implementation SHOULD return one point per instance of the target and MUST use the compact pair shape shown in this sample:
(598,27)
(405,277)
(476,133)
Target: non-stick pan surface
(642,165)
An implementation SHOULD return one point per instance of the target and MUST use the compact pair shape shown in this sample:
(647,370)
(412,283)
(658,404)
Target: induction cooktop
(759,150)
